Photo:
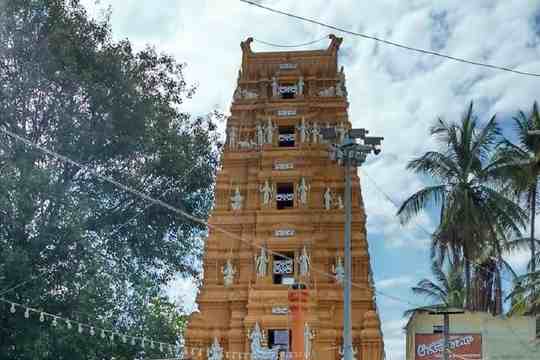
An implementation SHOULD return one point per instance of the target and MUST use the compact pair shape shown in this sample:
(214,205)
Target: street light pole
(352,154)
(347,304)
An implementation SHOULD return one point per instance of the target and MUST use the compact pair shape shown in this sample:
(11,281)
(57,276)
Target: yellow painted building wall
(503,338)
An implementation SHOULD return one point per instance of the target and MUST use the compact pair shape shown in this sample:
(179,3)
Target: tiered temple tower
(279,192)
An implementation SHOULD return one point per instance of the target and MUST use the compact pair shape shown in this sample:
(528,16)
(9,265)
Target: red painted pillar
(298,298)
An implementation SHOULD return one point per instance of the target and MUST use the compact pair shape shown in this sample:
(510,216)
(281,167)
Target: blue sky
(394,93)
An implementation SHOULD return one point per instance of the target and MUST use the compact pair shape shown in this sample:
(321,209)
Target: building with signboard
(473,336)
(279,218)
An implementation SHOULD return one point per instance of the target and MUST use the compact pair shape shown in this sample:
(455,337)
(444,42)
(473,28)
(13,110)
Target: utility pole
(352,155)
(446,328)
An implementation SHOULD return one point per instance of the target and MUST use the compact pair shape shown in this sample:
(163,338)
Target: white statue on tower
(228,272)
(308,338)
(259,130)
(258,352)
(304,262)
(215,351)
(232,137)
(303,191)
(339,270)
(270,131)
(301,85)
(340,202)
(302,130)
(266,190)
(315,133)
(237,199)
(274,87)
(341,130)
(261,263)
(328,199)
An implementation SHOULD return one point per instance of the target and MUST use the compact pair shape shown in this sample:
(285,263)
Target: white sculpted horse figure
(258,352)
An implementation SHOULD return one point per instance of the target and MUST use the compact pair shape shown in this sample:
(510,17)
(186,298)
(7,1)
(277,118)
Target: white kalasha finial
(237,199)
(328,199)
(261,263)
(215,351)
(303,191)
(339,270)
(228,272)
(304,263)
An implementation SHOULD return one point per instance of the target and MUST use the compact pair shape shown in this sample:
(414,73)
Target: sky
(392,92)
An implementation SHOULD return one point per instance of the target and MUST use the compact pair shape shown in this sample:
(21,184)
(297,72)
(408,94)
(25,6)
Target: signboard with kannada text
(462,346)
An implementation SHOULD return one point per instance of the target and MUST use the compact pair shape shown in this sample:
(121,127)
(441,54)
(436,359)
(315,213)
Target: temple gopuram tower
(279,197)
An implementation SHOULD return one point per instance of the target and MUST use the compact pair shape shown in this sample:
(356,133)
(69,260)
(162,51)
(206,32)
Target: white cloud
(395,93)
(392,283)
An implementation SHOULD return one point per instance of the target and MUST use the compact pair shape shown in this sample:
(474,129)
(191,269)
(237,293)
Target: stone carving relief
(261,263)
(328,199)
(232,138)
(339,270)
(308,338)
(215,351)
(267,192)
(228,272)
(327,92)
(269,132)
(237,199)
(258,352)
(303,191)
(304,263)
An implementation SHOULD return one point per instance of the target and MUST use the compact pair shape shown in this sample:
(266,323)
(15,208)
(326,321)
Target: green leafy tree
(520,166)
(473,214)
(92,251)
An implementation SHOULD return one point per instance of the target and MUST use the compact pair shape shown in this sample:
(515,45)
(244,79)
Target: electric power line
(392,43)
(290,46)
(187,215)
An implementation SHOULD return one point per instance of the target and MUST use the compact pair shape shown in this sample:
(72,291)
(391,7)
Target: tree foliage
(93,251)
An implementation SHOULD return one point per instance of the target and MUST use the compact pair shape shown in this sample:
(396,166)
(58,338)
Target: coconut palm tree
(473,214)
(520,164)
(446,291)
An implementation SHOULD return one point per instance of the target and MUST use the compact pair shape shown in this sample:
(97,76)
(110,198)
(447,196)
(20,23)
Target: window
(281,338)
(283,269)
(285,196)
(286,136)
(287,91)
(438,329)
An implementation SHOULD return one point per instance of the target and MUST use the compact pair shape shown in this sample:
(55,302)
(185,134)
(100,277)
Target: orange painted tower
(280,199)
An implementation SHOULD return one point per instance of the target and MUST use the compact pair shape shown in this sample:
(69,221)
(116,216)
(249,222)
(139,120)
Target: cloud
(394,93)
(392,283)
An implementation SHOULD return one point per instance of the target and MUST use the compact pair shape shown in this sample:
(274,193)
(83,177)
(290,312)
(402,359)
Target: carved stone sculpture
(270,132)
(275,87)
(300,85)
(340,132)
(237,199)
(258,352)
(308,338)
(302,130)
(339,204)
(327,92)
(328,199)
(228,272)
(315,133)
(215,351)
(303,191)
(267,192)
(261,263)
(232,133)
(339,270)
(304,263)
(259,133)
